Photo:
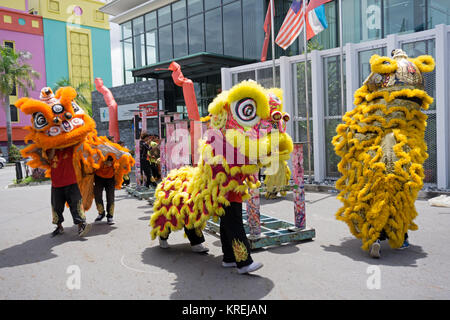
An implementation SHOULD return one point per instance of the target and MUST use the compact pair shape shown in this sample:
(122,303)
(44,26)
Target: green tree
(14,73)
(82,89)
(14,154)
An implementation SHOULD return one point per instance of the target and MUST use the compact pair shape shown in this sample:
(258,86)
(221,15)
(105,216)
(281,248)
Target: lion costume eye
(57,108)
(244,111)
(39,120)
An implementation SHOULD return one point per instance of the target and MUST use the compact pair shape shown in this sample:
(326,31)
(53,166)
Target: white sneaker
(110,221)
(375,249)
(199,248)
(229,264)
(251,267)
(163,244)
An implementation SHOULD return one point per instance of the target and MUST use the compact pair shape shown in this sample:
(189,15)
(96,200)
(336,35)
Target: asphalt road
(122,262)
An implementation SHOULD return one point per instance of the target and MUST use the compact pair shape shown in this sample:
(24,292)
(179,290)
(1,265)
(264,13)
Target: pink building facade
(22,32)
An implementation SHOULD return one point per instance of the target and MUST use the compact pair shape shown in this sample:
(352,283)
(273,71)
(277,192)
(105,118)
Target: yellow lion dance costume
(245,134)
(382,148)
(58,122)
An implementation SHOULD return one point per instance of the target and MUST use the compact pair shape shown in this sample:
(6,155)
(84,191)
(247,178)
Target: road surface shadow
(285,248)
(201,276)
(351,248)
(41,248)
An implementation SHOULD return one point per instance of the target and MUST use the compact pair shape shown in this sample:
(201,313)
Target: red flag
(267,25)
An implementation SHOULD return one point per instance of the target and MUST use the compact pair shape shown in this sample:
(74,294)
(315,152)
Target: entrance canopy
(193,66)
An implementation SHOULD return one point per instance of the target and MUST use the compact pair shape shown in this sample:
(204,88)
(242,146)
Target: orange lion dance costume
(58,122)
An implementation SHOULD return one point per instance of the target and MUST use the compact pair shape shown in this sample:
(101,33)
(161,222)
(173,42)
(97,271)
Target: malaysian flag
(292,25)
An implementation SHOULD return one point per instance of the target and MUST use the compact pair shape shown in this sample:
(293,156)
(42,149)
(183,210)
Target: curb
(423,194)
(29,184)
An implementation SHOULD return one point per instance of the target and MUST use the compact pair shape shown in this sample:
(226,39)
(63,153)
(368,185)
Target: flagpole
(342,58)
(273,43)
(306,91)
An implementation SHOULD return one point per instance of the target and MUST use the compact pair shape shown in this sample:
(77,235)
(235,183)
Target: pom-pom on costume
(244,135)
(382,148)
(58,123)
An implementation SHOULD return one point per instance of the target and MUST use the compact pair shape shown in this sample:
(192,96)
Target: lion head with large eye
(57,120)
(251,119)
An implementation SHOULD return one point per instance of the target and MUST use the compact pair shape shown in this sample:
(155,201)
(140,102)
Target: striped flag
(316,21)
(292,25)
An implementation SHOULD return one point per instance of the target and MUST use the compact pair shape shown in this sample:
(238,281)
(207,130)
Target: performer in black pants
(195,239)
(145,164)
(235,245)
(70,194)
(104,180)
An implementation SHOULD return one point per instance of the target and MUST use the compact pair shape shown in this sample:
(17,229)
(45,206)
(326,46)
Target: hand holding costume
(382,148)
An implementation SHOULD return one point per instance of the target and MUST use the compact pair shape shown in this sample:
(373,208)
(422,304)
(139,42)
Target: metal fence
(325,110)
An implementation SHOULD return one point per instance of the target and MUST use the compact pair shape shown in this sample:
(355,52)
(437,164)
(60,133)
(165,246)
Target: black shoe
(100,217)
(83,229)
(59,230)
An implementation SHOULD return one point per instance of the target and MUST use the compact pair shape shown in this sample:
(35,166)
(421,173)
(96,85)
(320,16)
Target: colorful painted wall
(85,55)
(73,43)
(84,31)
(25,33)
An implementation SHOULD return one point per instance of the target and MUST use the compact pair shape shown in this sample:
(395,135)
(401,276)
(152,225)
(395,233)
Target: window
(362,20)
(152,52)
(126,30)
(128,59)
(138,26)
(210,4)
(150,21)
(164,16)
(364,61)
(253,11)
(196,34)
(401,16)
(333,110)
(179,10)
(9,44)
(180,45)
(195,6)
(213,29)
(232,29)
(14,113)
(438,12)
(165,43)
(139,51)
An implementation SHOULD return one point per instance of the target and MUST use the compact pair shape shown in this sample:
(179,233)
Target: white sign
(125,111)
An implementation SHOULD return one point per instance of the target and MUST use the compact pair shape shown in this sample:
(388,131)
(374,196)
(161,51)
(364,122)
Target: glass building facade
(235,27)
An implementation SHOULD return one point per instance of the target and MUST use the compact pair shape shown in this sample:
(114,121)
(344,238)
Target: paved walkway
(122,262)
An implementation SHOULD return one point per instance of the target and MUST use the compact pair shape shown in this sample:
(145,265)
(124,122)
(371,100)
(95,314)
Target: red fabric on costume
(234,197)
(63,173)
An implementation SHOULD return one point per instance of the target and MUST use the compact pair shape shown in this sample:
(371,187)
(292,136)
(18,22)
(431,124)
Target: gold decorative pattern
(239,250)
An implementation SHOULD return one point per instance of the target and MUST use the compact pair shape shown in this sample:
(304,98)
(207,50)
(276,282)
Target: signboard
(125,111)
